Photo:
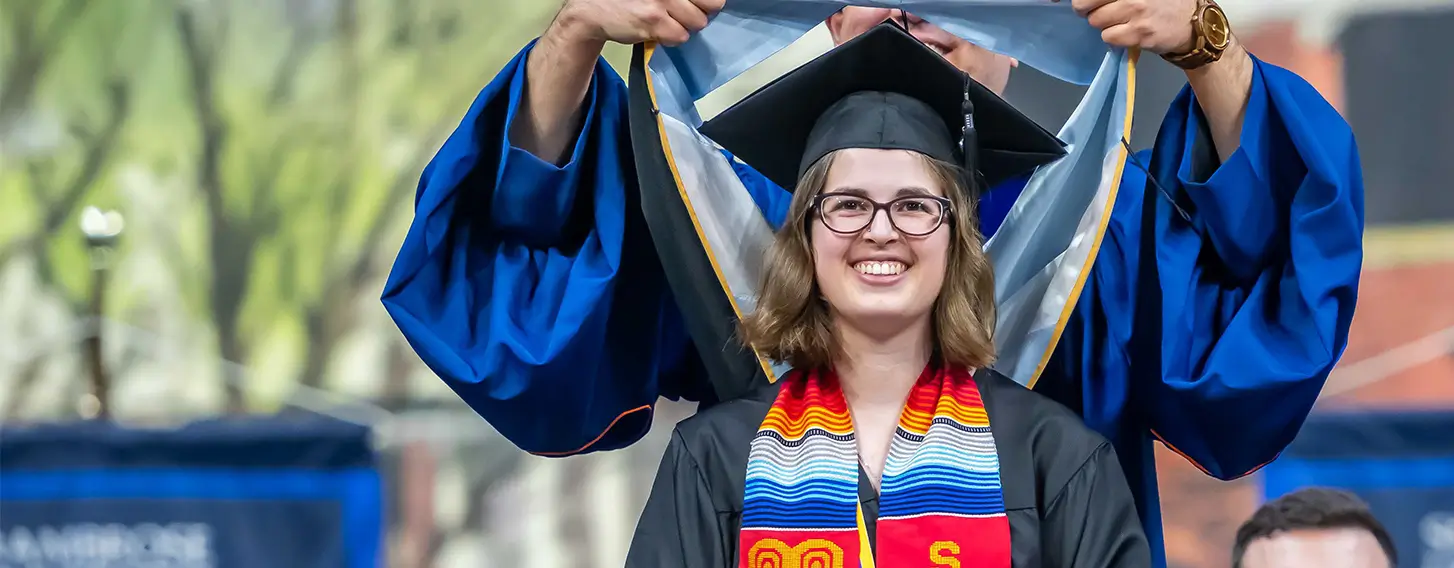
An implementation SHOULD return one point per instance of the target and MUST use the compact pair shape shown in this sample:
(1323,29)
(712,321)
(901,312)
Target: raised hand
(1158,26)
(670,22)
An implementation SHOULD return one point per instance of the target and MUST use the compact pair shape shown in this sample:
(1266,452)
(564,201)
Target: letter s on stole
(942,553)
(811,553)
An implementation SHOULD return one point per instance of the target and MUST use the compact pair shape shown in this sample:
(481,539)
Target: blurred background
(205,196)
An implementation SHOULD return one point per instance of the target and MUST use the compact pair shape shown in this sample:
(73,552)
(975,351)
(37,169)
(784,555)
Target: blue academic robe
(1210,323)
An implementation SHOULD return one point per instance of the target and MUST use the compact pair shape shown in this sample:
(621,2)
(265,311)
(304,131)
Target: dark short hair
(1311,508)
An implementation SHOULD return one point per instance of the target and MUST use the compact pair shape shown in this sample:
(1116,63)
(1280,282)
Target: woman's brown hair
(791,322)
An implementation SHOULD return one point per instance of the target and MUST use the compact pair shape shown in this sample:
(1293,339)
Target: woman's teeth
(876,267)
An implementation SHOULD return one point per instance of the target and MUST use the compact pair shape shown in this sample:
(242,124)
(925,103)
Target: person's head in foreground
(881,243)
(889,432)
(1314,527)
(987,67)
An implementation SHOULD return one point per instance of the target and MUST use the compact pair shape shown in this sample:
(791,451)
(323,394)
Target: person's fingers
(1123,35)
(669,32)
(1084,7)
(1112,14)
(686,13)
(709,7)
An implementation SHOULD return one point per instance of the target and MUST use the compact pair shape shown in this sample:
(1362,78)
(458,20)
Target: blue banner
(1402,464)
(234,493)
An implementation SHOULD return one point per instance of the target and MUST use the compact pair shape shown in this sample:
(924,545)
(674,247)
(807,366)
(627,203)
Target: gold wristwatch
(1210,36)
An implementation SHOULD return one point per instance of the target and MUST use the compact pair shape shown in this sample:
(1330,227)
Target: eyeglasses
(915,215)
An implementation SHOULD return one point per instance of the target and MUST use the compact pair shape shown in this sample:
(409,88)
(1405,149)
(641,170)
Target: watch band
(1193,59)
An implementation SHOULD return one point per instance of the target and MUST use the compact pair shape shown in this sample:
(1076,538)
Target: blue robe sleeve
(534,290)
(1245,286)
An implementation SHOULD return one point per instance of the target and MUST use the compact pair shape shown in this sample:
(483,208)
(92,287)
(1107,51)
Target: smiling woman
(867,267)
(879,443)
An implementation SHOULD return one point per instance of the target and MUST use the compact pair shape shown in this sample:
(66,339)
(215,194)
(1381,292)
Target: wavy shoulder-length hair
(792,323)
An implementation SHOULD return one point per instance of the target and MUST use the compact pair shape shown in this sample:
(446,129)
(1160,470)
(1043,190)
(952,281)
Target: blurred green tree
(288,136)
(65,99)
(308,147)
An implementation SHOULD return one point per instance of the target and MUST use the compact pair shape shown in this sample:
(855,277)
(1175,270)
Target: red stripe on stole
(767,548)
(806,392)
(944,540)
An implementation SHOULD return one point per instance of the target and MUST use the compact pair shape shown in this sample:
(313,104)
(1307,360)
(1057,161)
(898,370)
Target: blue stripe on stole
(802,514)
(941,475)
(766,489)
(812,502)
(939,488)
(942,500)
(957,485)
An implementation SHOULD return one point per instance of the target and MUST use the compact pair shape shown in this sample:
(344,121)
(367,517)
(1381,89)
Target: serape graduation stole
(941,503)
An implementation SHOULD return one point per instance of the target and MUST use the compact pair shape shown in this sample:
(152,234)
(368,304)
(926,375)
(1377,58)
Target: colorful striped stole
(940,505)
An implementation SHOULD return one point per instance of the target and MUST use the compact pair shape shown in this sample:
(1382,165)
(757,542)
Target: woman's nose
(881,229)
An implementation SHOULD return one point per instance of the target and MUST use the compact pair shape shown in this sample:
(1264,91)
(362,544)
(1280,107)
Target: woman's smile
(881,272)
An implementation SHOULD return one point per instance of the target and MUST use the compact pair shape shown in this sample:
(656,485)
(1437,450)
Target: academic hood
(712,238)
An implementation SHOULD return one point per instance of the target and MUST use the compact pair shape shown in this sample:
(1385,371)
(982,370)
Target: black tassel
(969,142)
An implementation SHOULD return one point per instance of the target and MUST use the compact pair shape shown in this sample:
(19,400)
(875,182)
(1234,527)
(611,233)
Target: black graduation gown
(1067,500)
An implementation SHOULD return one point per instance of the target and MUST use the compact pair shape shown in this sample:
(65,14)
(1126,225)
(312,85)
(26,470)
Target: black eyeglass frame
(945,206)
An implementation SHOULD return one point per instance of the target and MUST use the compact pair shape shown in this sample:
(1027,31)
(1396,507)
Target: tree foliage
(284,138)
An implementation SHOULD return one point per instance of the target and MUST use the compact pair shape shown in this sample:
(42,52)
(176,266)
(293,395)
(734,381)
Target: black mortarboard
(883,89)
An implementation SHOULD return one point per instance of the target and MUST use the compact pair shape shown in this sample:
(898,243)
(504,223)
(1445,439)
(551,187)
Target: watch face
(1215,28)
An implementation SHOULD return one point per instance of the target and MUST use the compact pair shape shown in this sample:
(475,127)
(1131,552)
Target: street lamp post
(101,229)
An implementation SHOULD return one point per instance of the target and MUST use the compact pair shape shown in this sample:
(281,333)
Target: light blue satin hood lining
(1042,252)
(1046,35)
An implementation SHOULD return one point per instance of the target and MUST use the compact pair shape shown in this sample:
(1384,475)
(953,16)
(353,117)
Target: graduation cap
(886,90)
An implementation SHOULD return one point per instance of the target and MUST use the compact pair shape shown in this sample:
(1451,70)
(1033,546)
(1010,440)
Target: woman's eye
(915,206)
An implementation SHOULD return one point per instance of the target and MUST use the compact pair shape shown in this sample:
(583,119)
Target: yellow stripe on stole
(865,549)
